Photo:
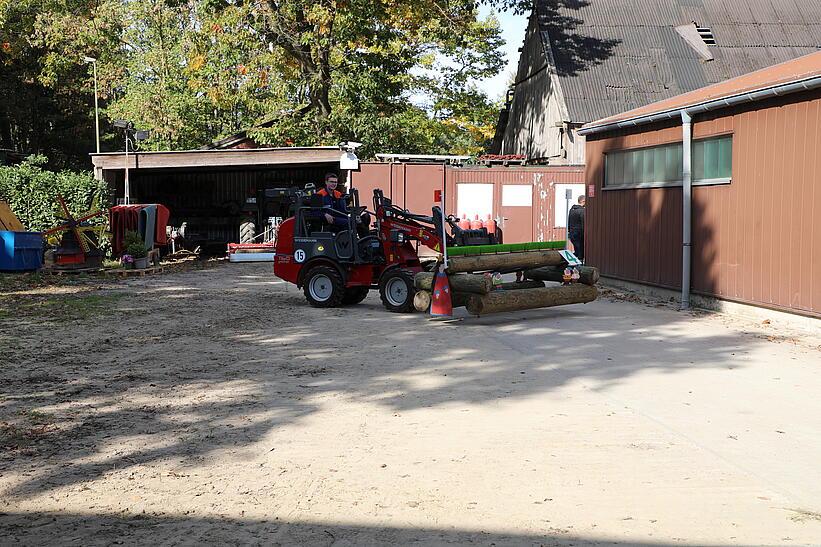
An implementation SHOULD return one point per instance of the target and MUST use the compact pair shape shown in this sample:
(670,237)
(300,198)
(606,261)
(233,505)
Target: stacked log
(477,293)
(422,299)
(507,262)
(587,274)
(477,284)
(526,299)
(516,285)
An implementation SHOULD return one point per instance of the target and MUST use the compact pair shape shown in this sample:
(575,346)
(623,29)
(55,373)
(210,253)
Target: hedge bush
(31,193)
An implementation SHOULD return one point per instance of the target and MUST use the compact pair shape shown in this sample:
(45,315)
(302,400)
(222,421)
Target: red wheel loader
(337,267)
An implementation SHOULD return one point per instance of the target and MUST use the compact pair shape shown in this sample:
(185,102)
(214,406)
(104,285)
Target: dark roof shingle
(617,55)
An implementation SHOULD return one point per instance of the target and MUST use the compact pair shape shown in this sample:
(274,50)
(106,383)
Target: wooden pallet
(122,272)
(77,271)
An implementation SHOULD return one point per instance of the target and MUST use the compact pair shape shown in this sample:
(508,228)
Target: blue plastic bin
(21,251)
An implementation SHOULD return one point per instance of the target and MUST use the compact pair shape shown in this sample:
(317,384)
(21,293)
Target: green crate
(472,250)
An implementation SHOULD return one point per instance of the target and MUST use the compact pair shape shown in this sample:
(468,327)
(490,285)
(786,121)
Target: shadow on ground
(199,362)
(144,529)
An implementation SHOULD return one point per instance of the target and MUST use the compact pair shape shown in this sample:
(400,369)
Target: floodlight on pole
(348,161)
(139,135)
(93,62)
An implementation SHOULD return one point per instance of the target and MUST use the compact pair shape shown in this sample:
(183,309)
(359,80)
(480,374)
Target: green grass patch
(65,307)
(505,248)
(38,417)
(14,436)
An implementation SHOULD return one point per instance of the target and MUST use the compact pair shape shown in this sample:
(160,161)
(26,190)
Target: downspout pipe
(687,205)
(686,113)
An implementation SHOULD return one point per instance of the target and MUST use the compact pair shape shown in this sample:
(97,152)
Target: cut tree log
(516,285)
(422,300)
(460,299)
(587,274)
(526,299)
(504,261)
(477,284)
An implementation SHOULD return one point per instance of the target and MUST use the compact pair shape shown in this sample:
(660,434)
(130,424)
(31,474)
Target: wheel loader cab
(313,237)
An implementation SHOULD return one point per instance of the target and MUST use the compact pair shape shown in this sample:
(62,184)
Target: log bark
(516,285)
(587,274)
(460,299)
(526,299)
(504,261)
(477,284)
(422,300)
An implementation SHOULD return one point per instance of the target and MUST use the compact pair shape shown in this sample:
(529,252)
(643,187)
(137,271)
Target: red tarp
(123,218)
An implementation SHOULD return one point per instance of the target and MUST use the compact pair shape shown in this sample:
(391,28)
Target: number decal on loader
(299,255)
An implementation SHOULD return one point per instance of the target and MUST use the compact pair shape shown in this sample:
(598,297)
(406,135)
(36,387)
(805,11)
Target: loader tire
(323,287)
(354,295)
(397,291)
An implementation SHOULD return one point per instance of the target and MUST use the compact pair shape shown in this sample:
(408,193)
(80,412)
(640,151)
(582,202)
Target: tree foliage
(398,75)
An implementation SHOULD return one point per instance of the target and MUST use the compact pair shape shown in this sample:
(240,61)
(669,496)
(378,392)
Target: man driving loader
(335,211)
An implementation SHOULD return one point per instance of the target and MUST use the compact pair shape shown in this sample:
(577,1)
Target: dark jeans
(578,245)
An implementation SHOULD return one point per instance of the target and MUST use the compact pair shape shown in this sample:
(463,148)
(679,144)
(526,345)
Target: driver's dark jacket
(334,202)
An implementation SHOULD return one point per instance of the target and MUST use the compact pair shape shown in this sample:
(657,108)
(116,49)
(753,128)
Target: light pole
(127,188)
(139,135)
(93,62)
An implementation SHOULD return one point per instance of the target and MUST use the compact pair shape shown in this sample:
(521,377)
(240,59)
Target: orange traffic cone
(440,301)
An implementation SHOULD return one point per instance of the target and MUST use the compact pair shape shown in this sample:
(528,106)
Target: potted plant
(127,261)
(135,249)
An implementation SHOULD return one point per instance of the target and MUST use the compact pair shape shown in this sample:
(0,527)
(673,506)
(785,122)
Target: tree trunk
(526,299)
(421,301)
(516,285)
(477,284)
(587,274)
(423,298)
(504,261)
(460,299)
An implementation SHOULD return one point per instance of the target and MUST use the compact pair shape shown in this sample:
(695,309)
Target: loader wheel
(354,295)
(323,287)
(397,291)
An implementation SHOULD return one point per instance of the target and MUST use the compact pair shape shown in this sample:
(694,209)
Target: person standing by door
(575,228)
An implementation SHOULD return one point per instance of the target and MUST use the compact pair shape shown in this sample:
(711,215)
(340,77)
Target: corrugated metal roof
(794,70)
(617,55)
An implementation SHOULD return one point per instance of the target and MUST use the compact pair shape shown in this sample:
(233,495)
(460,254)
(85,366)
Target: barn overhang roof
(217,158)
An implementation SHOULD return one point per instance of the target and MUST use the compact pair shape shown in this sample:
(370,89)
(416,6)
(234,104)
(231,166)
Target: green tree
(354,66)
(317,72)
(35,116)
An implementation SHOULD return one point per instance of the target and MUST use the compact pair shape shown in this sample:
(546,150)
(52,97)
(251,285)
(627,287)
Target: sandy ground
(215,406)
